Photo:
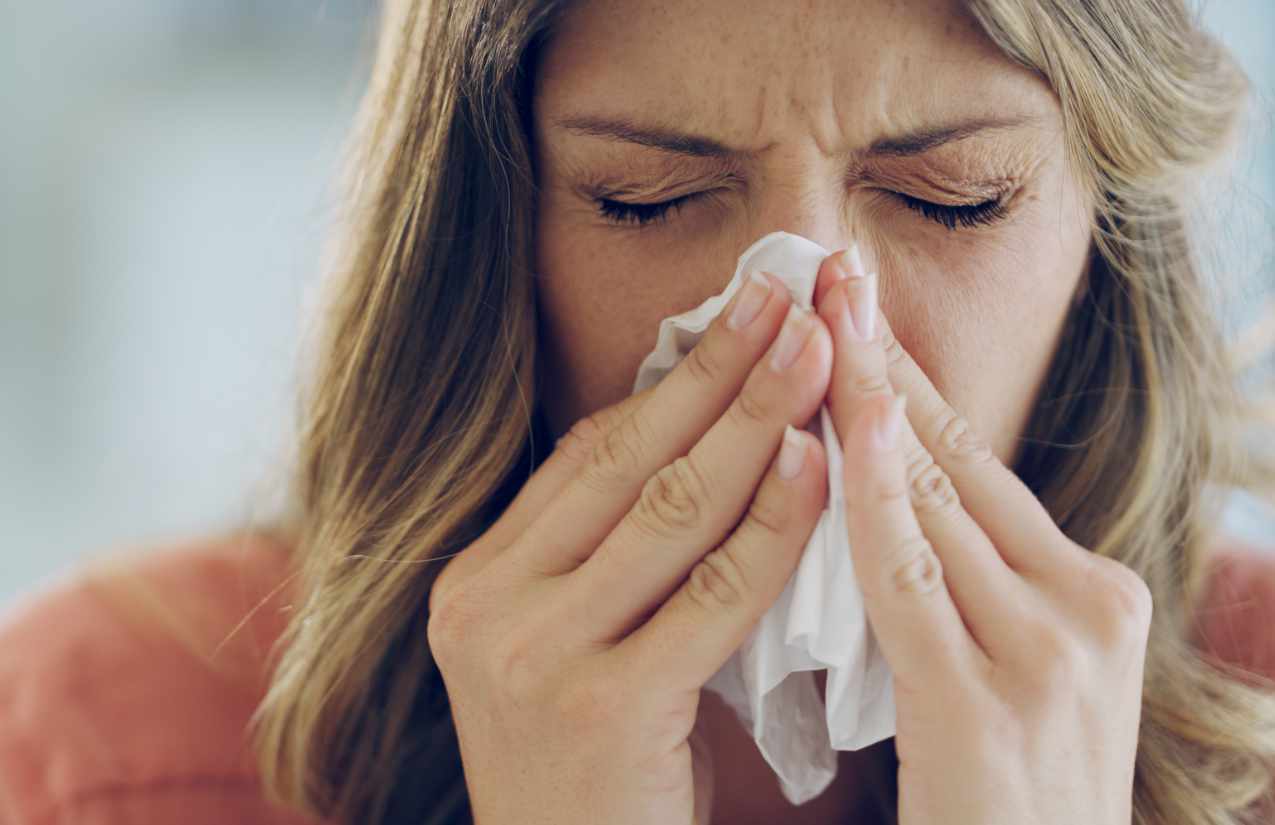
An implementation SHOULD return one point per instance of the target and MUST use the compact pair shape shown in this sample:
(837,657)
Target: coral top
(105,721)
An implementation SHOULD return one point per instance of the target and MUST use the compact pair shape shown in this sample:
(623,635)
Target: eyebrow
(684,143)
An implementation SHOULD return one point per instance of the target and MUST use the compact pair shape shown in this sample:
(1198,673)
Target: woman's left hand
(1017,654)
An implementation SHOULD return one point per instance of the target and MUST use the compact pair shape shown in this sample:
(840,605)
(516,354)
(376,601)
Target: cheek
(979,312)
(982,314)
(601,297)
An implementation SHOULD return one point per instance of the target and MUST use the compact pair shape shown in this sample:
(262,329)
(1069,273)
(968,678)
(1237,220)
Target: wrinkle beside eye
(665,186)
(924,179)
(967,192)
(968,171)
(944,190)
(637,175)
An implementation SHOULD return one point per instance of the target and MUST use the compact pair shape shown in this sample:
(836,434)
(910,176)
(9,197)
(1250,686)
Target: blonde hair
(426,374)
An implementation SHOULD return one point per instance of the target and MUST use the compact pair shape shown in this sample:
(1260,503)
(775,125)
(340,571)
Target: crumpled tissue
(819,621)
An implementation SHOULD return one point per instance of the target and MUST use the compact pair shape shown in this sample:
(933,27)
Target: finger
(912,613)
(841,264)
(691,505)
(659,429)
(858,367)
(988,594)
(692,634)
(569,454)
(1011,515)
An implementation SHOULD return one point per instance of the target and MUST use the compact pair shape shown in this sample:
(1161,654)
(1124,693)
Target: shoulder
(1235,618)
(126,686)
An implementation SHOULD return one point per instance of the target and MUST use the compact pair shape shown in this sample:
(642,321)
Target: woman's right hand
(575,635)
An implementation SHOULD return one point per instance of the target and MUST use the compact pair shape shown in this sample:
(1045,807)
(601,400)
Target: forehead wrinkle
(759,114)
(782,78)
(803,85)
(871,85)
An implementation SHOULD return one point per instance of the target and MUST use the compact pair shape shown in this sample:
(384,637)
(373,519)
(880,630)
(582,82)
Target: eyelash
(966,215)
(950,216)
(641,214)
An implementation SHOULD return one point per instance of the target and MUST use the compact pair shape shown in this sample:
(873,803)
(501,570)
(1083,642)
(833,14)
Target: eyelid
(633,215)
(985,213)
(667,184)
(638,215)
(947,190)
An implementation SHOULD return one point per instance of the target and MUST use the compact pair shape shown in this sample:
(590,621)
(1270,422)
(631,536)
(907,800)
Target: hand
(1017,654)
(575,635)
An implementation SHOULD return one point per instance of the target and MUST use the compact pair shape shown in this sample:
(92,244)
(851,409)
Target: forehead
(752,72)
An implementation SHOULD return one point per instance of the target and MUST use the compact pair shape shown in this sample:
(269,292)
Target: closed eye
(952,215)
(641,214)
(948,215)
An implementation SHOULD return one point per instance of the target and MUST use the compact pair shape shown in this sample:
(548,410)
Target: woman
(520,635)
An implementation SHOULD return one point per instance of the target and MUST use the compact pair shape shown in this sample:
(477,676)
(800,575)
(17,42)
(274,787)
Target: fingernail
(886,432)
(792,454)
(748,303)
(863,307)
(849,263)
(792,338)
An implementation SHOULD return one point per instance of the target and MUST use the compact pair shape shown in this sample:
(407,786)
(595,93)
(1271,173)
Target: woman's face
(832,119)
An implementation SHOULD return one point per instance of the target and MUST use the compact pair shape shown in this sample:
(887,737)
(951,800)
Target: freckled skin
(808,86)
(980,310)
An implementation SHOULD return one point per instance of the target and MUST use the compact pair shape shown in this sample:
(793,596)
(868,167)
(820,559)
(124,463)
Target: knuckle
(1057,662)
(887,492)
(913,567)
(673,500)
(750,408)
(958,440)
(931,488)
(702,363)
(442,586)
(578,442)
(617,454)
(717,581)
(443,629)
(894,352)
(455,619)
(768,516)
(869,384)
(1125,600)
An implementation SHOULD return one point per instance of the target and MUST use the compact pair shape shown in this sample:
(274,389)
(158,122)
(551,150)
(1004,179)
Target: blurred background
(165,186)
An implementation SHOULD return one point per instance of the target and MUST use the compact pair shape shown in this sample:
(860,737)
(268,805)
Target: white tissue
(819,621)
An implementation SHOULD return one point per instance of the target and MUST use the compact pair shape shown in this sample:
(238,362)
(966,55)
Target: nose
(814,209)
